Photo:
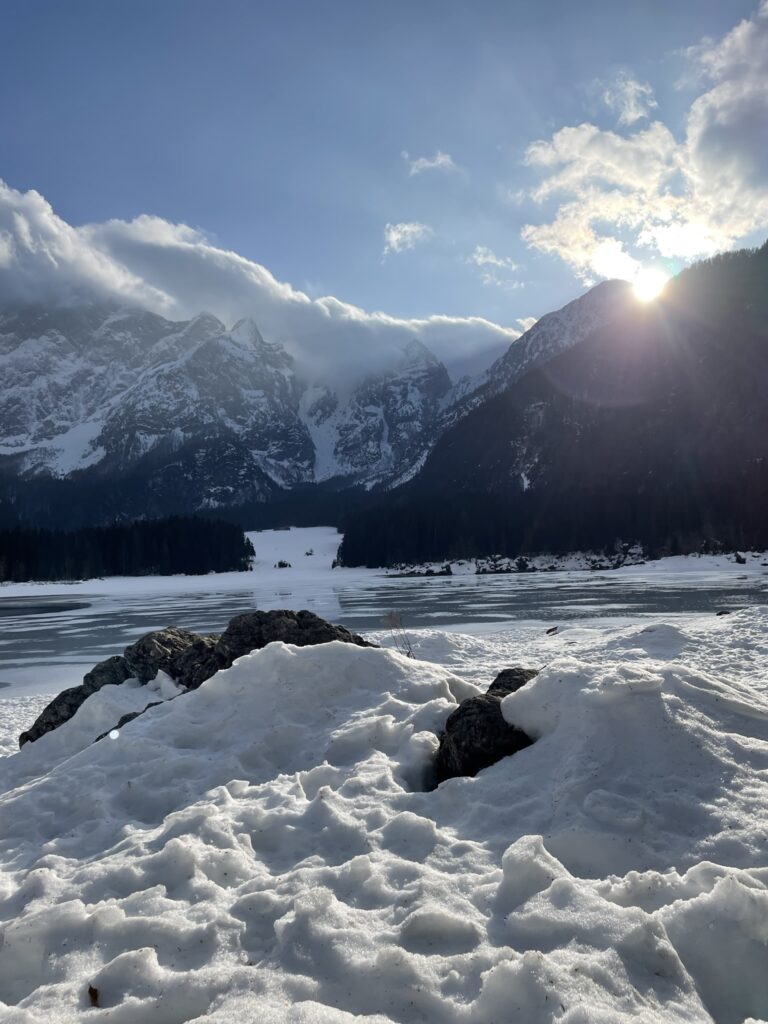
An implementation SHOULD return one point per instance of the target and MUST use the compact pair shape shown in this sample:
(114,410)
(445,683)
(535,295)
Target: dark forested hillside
(654,429)
(154,547)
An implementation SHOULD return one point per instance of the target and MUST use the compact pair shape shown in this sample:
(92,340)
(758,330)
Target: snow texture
(264,848)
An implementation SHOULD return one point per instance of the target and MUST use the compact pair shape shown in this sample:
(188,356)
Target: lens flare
(649,283)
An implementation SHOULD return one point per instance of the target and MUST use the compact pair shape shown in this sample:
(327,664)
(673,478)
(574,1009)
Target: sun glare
(649,283)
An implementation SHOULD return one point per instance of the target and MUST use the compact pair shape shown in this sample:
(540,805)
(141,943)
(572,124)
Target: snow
(266,848)
(76,449)
(271,546)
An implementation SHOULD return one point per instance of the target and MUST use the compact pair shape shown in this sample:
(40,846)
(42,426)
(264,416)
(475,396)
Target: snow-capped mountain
(554,333)
(385,425)
(550,336)
(218,415)
(651,428)
(165,415)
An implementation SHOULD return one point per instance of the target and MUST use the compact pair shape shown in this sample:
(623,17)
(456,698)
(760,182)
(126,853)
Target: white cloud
(618,195)
(630,99)
(527,322)
(174,270)
(439,162)
(400,237)
(494,270)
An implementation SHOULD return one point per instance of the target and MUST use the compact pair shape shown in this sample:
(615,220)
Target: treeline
(160,547)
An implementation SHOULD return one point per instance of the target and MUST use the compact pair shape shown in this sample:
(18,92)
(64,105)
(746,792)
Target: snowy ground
(262,850)
(271,546)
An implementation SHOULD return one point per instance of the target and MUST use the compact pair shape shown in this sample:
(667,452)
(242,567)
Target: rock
(196,663)
(254,630)
(107,673)
(509,680)
(476,735)
(141,660)
(157,650)
(190,659)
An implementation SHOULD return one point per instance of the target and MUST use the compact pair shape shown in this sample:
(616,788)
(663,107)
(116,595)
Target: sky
(467,166)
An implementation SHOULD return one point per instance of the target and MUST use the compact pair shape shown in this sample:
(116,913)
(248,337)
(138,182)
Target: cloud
(527,322)
(439,162)
(630,99)
(174,270)
(400,237)
(494,270)
(620,197)
(42,258)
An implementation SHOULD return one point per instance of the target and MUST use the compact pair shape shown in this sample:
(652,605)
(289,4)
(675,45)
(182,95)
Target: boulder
(509,680)
(254,630)
(142,660)
(476,734)
(190,659)
(157,650)
(107,673)
(196,663)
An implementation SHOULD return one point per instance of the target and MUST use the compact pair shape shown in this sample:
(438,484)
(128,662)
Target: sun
(649,283)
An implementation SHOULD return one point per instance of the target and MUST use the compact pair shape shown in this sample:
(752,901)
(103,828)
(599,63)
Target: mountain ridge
(652,429)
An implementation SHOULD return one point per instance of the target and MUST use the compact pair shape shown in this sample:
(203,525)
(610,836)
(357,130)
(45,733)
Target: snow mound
(263,849)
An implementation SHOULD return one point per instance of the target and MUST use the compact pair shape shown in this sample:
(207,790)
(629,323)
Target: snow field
(271,546)
(263,848)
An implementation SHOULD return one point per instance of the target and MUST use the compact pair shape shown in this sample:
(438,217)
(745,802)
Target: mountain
(651,427)
(151,416)
(385,426)
(606,420)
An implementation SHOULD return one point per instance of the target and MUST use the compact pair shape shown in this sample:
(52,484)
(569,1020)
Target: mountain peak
(205,322)
(247,333)
(560,330)
(416,352)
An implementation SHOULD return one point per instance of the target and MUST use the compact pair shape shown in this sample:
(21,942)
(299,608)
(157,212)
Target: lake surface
(47,642)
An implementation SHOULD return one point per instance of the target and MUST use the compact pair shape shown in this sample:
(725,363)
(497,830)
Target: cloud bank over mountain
(608,193)
(175,270)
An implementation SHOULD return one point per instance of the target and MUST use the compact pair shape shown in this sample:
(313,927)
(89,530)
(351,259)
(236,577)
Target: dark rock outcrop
(156,651)
(197,662)
(476,734)
(250,632)
(254,630)
(190,659)
(110,672)
(509,680)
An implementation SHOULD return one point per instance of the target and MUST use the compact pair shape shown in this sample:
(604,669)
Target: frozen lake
(50,635)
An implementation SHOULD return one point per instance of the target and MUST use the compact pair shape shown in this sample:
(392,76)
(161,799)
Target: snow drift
(263,849)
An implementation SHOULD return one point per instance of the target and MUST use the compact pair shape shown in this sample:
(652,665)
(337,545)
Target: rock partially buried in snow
(111,672)
(190,659)
(254,630)
(197,662)
(156,652)
(476,735)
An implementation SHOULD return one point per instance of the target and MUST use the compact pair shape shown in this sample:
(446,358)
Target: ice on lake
(53,633)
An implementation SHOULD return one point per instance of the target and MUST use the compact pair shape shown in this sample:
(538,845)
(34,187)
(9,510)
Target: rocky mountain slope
(125,413)
(653,428)
(153,415)
(195,415)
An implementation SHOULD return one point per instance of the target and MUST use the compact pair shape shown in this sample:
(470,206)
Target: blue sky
(278,131)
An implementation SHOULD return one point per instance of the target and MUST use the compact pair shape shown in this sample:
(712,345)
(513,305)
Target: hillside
(652,429)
